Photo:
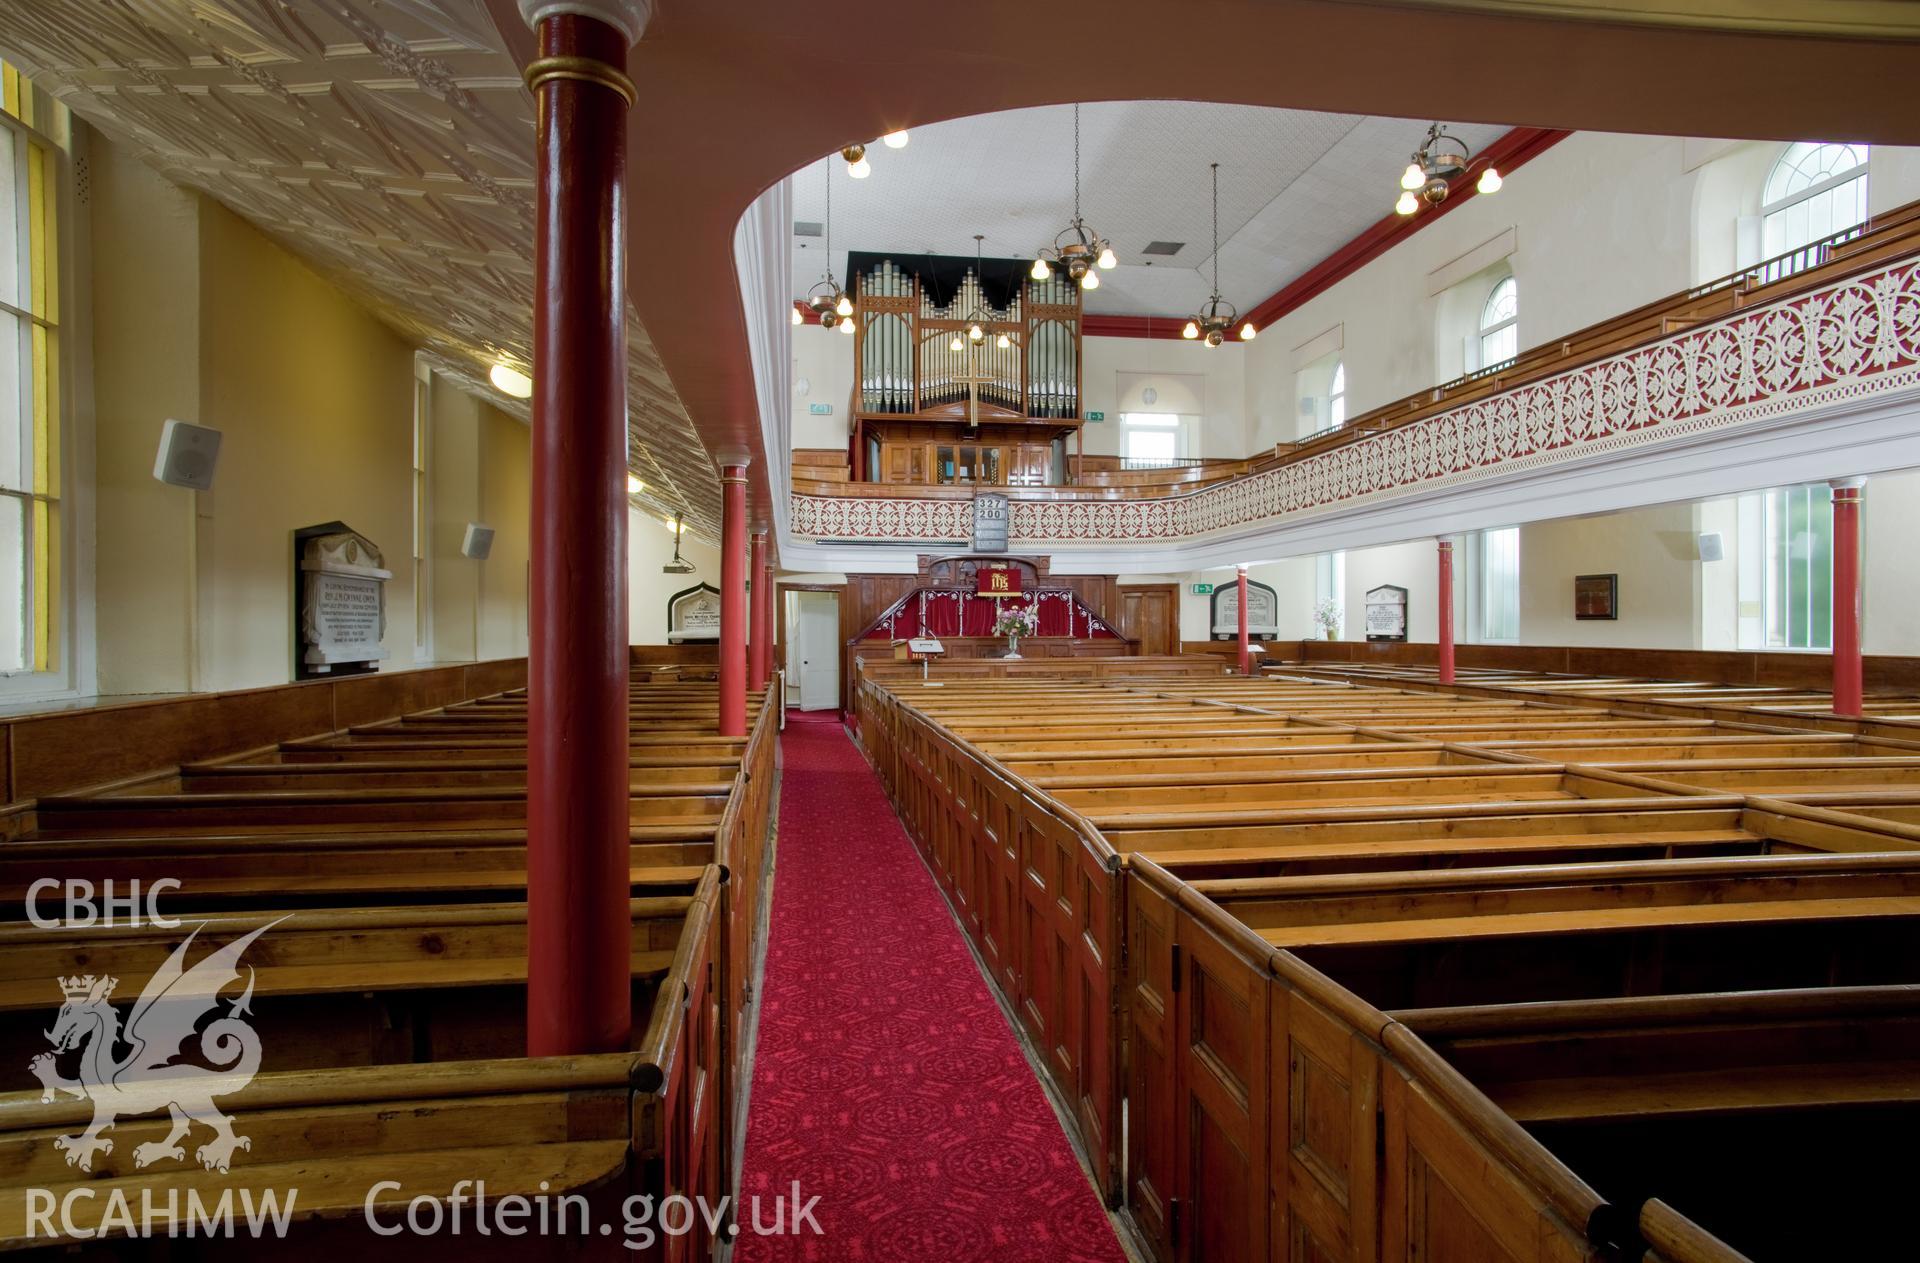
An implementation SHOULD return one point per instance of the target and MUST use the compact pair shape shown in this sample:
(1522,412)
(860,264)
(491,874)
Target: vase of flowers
(1014,622)
(1327,615)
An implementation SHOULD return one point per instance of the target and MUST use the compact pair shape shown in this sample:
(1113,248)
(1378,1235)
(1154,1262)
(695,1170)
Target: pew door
(1220,1052)
(1152,927)
(1325,1127)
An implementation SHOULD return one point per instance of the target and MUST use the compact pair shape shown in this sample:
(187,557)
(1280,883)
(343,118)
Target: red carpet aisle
(887,1081)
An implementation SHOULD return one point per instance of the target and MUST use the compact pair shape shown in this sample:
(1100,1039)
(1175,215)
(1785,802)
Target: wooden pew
(419,958)
(1263,1046)
(601,1126)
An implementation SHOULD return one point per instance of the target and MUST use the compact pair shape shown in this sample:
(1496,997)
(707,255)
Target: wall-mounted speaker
(187,455)
(1712,547)
(478,541)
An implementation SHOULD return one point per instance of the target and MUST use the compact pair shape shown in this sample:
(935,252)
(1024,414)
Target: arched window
(1499,332)
(1814,191)
(1337,397)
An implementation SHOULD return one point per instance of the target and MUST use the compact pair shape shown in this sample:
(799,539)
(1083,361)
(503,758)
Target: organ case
(984,413)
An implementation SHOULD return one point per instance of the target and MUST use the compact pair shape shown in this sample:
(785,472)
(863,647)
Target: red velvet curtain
(945,612)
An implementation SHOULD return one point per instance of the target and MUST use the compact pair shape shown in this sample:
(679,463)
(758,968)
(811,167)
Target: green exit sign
(1096,416)
(1203,589)
(820,409)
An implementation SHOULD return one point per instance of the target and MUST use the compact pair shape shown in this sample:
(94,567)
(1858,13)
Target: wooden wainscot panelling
(61,751)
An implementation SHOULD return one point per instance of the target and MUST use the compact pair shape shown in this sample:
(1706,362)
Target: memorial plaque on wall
(693,615)
(1263,611)
(989,522)
(340,602)
(1387,612)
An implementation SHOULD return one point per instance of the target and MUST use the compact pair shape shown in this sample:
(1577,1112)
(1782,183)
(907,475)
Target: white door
(819,644)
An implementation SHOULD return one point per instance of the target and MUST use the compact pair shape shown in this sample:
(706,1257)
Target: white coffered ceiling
(388,142)
(1294,186)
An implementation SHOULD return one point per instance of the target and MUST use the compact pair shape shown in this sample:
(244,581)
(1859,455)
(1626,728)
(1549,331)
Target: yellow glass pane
(43,585)
(43,259)
(46,413)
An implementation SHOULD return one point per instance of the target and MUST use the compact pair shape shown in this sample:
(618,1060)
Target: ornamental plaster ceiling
(1295,185)
(389,143)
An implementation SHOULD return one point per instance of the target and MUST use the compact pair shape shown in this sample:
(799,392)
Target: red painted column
(766,577)
(760,645)
(733,594)
(1446,611)
(1246,653)
(1848,680)
(578,926)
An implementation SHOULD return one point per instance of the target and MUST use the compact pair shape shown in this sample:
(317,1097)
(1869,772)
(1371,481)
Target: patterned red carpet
(887,1081)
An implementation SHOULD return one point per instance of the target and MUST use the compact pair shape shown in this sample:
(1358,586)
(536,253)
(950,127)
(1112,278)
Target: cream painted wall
(1414,566)
(1214,377)
(1655,552)
(455,467)
(146,349)
(506,497)
(201,317)
(481,472)
(823,358)
(314,398)
(1644,198)
(650,546)
(1890,528)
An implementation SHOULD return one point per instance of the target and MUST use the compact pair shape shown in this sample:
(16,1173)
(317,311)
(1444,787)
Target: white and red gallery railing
(1847,341)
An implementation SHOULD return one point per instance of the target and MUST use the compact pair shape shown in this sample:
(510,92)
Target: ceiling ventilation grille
(1165,248)
(807,228)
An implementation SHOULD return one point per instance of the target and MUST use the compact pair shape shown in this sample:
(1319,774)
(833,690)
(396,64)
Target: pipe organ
(963,375)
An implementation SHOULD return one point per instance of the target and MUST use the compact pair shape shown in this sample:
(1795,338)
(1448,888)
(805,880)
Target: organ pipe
(908,363)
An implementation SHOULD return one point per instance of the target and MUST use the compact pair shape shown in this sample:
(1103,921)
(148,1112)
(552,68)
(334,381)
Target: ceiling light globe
(860,170)
(1406,205)
(844,307)
(1040,271)
(509,380)
(955,345)
(1191,331)
(976,333)
(796,315)
(1248,332)
(1490,181)
(846,327)
(1413,177)
(634,485)
(1003,341)
(1107,259)
(1091,280)
(895,139)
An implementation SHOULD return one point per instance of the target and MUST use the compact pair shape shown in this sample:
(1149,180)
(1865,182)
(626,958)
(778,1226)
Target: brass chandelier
(1433,168)
(1078,250)
(826,299)
(1217,316)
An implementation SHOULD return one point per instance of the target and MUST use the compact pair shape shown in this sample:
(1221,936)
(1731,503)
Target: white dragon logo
(152,1074)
